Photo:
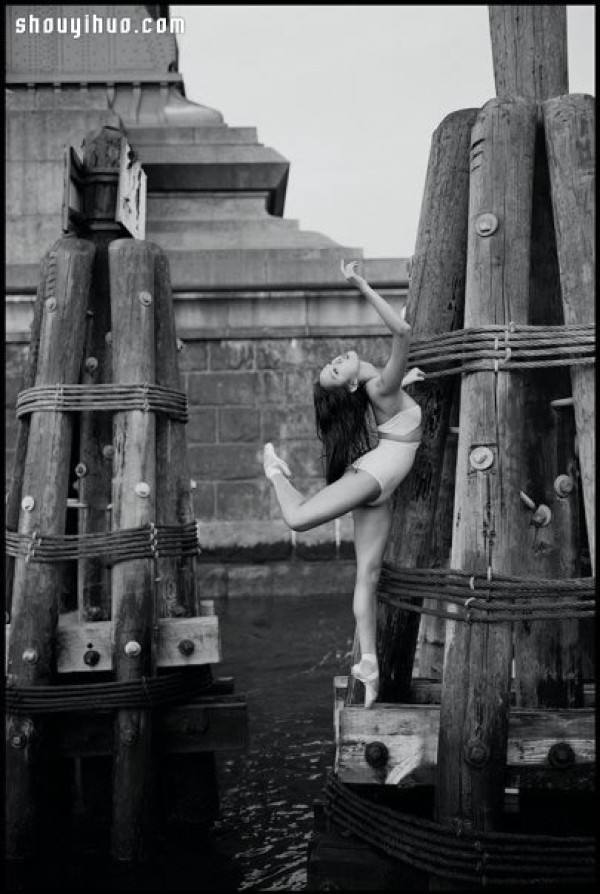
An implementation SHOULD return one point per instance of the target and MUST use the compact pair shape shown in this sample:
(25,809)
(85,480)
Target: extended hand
(273,464)
(349,272)
(413,375)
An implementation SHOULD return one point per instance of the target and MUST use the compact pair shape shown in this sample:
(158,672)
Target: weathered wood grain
(570,144)
(490,528)
(529,50)
(131,267)
(45,482)
(435,305)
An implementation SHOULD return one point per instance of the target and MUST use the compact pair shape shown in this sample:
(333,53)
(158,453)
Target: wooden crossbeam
(410,735)
(205,724)
(181,642)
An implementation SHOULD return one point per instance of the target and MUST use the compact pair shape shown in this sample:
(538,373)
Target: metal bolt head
(376,754)
(563,485)
(18,741)
(108,338)
(51,305)
(477,753)
(142,489)
(128,736)
(81,470)
(542,516)
(186,647)
(91,364)
(133,649)
(27,503)
(486,224)
(91,657)
(108,451)
(561,755)
(145,299)
(481,458)
(30,656)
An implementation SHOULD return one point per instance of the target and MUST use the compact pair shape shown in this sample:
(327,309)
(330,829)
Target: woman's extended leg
(371,531)
(353,489)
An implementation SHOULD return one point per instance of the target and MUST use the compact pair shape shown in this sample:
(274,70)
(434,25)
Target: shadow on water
(283,654)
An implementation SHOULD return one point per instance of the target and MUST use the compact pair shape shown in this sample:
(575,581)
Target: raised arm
(394,371)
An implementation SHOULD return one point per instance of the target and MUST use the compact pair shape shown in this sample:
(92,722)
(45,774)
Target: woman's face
(341,372)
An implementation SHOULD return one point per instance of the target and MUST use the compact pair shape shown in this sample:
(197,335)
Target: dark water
(284,653)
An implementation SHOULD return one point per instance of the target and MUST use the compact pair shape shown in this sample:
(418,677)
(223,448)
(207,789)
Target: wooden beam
(207,723)
(134,616)
(529,50)
(491,532)
(43,508)
(435,305)
(570,144)
(410,734)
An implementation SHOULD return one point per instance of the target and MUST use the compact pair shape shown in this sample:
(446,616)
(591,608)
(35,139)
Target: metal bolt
(91,364)
(51,305)
(542,516)
(108,452)
(186,647)
(30,656)
(128,736)
(108,338)
(486,224)
(81,470)
(376,754)
(145,299)
(477,753)
(19,741)
(561,755)
(142,489)
(91,657)
(27,503)
(563,485)
(133,649)
(481,458)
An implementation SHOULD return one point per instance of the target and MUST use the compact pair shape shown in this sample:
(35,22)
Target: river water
(283,653)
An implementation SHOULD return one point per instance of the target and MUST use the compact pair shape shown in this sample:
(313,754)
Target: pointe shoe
(370,680)
(273,463)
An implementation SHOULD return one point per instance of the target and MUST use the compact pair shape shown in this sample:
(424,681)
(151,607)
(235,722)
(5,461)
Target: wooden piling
(435,305)
(176,587)
(45,291)
(570,143)
(490,529)
(529,50)
(131,265)
(31,658)
(102,151)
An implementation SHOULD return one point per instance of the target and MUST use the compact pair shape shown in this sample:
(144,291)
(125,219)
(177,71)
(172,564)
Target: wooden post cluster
(104,314)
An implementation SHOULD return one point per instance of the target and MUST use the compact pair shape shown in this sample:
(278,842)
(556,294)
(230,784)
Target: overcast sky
(351,96)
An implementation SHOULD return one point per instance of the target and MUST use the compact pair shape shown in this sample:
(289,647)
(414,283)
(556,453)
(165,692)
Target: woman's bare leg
(354,489)
(371,531)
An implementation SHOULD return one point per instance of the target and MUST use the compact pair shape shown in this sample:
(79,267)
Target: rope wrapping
(495,348)
(149,541)
(497,599)
(149,692)
(485,857)
(109,398)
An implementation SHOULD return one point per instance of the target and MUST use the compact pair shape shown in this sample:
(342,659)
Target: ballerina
(359,478)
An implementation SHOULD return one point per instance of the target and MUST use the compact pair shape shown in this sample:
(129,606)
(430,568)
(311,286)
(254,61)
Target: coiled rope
(497,858)
(493,347)
(148,540)
(487,599)
(109,398)
(148,692)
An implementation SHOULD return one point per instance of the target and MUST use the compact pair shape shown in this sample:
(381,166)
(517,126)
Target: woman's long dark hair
(342,427)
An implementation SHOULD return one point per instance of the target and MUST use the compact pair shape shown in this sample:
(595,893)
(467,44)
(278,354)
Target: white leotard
(391,461)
